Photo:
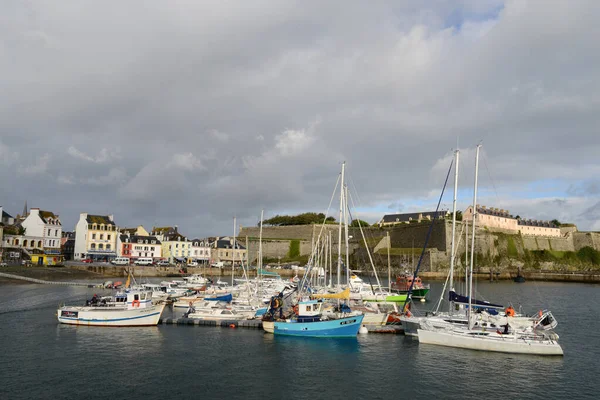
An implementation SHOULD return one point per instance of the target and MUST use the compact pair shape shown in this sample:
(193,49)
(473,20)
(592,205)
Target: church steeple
(24,210)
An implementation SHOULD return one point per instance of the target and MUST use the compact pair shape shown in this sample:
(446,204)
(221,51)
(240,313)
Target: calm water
(42,359)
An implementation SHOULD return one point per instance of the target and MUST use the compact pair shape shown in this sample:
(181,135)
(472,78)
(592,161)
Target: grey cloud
(214,106)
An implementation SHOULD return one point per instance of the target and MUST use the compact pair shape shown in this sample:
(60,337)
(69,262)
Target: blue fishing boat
(225,297)
(308,321)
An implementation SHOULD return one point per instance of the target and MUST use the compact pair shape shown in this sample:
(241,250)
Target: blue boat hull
(343,327)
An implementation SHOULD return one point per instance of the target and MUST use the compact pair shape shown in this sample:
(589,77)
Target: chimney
(1,212)
(111,218)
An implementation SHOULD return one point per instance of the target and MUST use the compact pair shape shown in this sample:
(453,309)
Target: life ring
(295,308)
(135,303)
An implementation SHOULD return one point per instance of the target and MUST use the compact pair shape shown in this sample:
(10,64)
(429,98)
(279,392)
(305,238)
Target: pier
(35,280)
(247,323)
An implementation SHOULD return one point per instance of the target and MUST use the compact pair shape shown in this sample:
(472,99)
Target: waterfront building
(500,219)
(224,250)
(6,218)
(67,245)
(200,252)
(42,237)
(407,218)
(137,246)
(96,237)
(176,248)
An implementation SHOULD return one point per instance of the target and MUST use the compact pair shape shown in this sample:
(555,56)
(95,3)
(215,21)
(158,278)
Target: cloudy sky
(190,112)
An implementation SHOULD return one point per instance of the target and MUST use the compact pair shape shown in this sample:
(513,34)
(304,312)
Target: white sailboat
(535,339)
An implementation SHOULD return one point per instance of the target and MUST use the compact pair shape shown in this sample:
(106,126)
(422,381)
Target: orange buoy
(232,325)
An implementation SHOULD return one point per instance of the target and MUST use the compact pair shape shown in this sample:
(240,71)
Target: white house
(43,233)
(200,251)
(96,237)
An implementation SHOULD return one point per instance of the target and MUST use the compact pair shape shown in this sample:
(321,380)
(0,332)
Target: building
(96,237)
(67,245)
(42,237)
(6,218)
(137,246)
(538,228)
(497,218)
(223,250)
(200,252)
(176,248)
(407,218)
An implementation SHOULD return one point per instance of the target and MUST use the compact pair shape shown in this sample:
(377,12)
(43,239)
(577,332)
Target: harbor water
(43,359)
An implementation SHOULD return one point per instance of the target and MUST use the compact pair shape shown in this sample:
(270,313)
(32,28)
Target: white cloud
(104,155)
(39,167)
(186,161)
(7,156)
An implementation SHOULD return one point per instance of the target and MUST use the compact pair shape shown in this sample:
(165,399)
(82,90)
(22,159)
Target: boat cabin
(139,300)
(310,310)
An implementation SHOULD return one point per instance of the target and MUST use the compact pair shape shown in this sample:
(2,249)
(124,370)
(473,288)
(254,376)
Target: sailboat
(532,339)
(309,319)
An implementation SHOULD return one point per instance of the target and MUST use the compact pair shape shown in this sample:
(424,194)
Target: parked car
(217,264)
(144,261)
(3,264)
(87,260)
(193,264)
(163,263)
(120,261)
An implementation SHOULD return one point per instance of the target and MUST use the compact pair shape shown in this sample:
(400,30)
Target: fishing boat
(310,322)
(215,314)
(403,283)
(138,311)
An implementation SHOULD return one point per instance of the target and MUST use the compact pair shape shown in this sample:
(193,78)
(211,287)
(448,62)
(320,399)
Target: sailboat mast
(330,260)
(473,233)
(389,244)
(233,253)
(339,264)
(453,249)
(259,261)
(346,235)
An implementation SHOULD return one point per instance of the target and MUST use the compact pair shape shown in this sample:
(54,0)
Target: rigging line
(310,259)
(490,176)
(409,295)
(359,202)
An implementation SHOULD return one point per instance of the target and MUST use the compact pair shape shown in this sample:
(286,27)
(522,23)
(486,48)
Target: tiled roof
(44,215)
(407,217)
(226,244)
(544,224)
(494,211)
(131,231)
(135,238)
(6,215)
(99,219)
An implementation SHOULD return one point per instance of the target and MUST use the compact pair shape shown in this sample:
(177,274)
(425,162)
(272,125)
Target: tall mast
(330,260)
(453,249)
(233,253)
(339,264)
(346,235)
(259,261)
(473,234)
(389,244)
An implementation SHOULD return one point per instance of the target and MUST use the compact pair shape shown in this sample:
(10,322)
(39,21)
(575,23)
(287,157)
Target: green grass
(511,247)
(294,250)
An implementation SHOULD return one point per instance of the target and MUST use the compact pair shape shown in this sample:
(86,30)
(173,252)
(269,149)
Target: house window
(56,232)
(24,243)
(49,232)
(93,236)
(100,246)
(107,237)
(93,246)
(101,236)
(40,244)
(108,247)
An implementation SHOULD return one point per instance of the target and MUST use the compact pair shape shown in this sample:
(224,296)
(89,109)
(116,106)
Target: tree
(556,222)
(355,223)
(300,219)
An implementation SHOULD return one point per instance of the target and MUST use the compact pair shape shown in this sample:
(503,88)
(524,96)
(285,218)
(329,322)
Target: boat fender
(135,303)
(295,308)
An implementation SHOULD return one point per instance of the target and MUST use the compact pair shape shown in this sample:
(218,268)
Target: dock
(35,280)
(246,323)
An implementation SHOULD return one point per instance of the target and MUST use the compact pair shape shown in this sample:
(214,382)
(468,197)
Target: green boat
(403,282)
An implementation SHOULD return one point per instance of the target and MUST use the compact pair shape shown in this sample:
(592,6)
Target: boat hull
(416,293)
(268,326)
(342,327)
(100,316)
(487,343)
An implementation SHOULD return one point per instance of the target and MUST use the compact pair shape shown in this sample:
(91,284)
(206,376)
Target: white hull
(490,342)
(269,326)
(102,316)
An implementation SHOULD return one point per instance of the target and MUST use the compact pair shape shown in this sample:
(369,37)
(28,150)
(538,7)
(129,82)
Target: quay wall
(138,271)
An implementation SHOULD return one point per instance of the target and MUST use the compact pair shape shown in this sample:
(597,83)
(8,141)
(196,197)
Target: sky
(189,113)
